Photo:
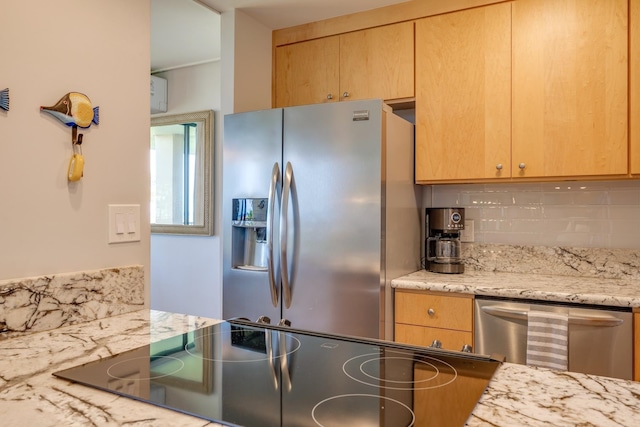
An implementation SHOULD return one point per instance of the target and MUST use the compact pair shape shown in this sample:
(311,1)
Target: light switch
(132,225)
(119,223)
(124,223)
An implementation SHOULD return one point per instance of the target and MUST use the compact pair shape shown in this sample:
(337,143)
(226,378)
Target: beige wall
(252,65)
(48,225)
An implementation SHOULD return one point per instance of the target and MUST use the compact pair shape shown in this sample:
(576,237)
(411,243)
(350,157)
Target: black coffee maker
(443,251)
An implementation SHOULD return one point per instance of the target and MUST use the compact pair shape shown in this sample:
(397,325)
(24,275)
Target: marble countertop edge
(567,289)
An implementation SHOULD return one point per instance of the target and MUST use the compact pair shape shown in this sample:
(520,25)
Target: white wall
(186,274)
(47,224)
(185,269)
(580,214)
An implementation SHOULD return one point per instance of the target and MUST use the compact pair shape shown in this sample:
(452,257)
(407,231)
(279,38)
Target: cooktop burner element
(357,409)
(261,342)
(247,374)
(365,369)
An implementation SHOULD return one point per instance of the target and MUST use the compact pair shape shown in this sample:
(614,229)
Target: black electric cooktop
(247,374)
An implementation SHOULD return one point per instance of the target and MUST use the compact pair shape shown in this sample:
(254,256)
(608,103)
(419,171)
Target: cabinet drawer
(423,336)
(438,311)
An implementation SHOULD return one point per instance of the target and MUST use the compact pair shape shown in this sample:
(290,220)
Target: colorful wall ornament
(4,99)
(75,110)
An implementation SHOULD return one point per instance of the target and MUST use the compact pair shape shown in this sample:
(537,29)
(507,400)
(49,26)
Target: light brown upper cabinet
(634,97)
(569,88)
(532,89)
(373,63)
(308,72)
(463,95)
(378,63)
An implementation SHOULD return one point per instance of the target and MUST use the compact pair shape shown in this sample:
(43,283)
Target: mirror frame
(206,202)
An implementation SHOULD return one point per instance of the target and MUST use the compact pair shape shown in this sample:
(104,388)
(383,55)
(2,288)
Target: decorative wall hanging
(74,110)
(4,99)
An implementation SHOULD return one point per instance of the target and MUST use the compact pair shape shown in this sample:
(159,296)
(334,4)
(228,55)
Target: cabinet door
(308,72)
(463,95)
(569,88)
(432,407)
(634,89)
(377,63)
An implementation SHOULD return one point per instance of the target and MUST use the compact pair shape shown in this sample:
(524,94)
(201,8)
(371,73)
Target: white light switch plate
(124,223)
(467,235)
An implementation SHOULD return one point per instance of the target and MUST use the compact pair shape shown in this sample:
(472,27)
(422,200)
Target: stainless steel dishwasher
(600,338)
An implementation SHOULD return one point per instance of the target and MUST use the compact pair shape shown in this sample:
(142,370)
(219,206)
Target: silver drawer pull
(510,313)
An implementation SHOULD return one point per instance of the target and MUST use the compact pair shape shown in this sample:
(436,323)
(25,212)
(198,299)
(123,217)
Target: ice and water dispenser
(249,234)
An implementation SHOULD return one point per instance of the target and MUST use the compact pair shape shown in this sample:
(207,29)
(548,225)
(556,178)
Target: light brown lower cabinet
(422,317)
(636,346)
(434,408)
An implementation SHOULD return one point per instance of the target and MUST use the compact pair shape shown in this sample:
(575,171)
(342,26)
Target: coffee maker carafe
(443,251)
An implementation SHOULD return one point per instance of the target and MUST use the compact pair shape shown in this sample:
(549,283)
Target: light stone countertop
(521,396)
(555,288)
(30,395)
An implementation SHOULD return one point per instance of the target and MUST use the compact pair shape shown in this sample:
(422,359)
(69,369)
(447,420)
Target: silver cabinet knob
(264,319)
(284,322)
(345,95)
(436,344)
(499,166)
(522,165)
(329,96)
(431,312)
(466,348)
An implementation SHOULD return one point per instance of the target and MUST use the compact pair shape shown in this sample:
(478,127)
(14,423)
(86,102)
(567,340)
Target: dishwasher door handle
(511,313)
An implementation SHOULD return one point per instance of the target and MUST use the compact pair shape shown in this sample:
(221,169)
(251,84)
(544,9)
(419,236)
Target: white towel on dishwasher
(548,340)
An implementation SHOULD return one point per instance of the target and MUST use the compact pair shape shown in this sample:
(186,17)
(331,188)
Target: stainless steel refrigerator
(320,213)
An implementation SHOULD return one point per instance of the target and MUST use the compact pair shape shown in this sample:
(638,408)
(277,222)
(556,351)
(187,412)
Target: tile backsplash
(599,214)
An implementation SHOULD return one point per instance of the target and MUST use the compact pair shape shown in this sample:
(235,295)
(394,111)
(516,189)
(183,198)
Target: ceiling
(183,33)
(187,32)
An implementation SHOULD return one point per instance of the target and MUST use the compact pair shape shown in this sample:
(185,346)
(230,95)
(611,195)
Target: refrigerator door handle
(284,209)
(511,313)
(268,340)
(273,189)
(285,367)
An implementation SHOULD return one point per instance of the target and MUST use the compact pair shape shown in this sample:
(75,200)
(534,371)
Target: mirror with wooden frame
(181,173)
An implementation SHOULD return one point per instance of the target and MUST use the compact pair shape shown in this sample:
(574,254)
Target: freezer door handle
(511,313)
(273,194)
(284,210)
